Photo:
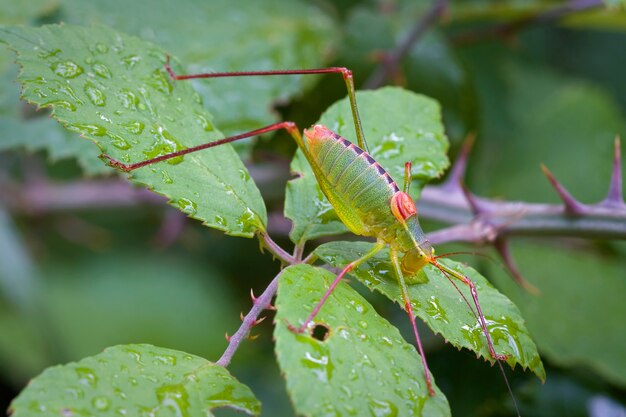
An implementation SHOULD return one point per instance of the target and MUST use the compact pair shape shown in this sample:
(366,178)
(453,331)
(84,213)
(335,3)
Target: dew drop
(244,175)
(220,221)
(89,129)
(204,122)
(96,96)
(118,141)
(40,93)
(159,81)
(321,366)
(249,222)
(358,306)
(135,127)
(164,360)
(100,48)
(164,143)
(48,53)
(66,69)
(135,355)
(381,408)
(386,341)
(66,89)
(175,398)
(86,376)
(128,99)
(187,206)
(166,177)
(101,70)
(64,104)
(435,310)
(101,403)
(130,61)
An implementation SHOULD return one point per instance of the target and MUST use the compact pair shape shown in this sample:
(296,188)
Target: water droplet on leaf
(96,96)
(187,206)
(66,69)
(101,70)
(101,403)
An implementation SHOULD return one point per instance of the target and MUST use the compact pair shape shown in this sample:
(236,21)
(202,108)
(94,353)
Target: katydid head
(420,251)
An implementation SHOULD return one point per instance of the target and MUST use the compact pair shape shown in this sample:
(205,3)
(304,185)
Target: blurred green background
(83,267)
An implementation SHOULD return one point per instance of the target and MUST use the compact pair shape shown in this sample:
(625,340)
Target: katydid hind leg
(409,309)
(377,247)
(290,127)
(345,73)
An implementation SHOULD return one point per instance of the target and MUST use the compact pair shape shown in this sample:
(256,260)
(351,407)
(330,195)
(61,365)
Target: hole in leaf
(320,332)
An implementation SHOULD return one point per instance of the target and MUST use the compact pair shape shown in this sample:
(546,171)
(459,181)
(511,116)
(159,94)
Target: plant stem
(276,250)
(390,62)
(263,302)
(436,203)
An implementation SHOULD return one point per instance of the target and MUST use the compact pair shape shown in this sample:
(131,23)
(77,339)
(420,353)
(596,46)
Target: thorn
(254,298)
(270,307)
(241,316)
(227,337)
(572,206)
(473,202)
(457,173)
(259,321)
(614,196)
(502,246)
(253,337)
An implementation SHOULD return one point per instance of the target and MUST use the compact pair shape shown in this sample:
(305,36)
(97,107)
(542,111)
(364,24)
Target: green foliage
(224,35)
(361,366)
(440,305)
(115,91)
(135,379)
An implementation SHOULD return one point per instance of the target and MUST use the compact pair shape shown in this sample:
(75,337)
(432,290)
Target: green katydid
(365,197)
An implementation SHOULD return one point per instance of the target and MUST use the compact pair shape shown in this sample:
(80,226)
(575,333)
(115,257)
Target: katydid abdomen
(363,194)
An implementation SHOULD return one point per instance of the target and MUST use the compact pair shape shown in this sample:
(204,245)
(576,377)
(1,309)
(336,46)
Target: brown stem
(263,302)
(390,62)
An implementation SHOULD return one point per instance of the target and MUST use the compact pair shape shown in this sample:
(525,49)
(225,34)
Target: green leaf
(113,89)
(362,368)
(223,35)
(440,305)
(399,126)
(135,380)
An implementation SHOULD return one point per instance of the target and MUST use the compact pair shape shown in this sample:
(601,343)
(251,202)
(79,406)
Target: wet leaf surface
(113,89)
(135,380)
(440,305)
(362,367)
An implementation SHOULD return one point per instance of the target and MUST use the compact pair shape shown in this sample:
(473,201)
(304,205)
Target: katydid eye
(402,206)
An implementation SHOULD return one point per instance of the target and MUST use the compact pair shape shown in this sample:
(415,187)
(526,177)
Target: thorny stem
(263,302)
(436,203)
(391,60)
(276,250)
(509,218)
